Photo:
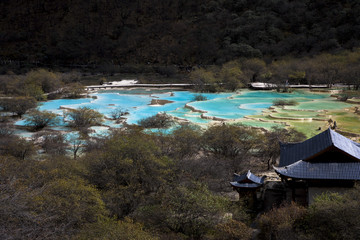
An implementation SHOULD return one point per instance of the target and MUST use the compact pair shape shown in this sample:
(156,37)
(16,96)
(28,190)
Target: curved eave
(317,145)
(248,177)
(320,171)
(245,185)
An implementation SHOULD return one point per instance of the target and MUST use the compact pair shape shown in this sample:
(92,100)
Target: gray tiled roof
(245,185)
(239,177)
(248,176)
(350,147)
(293,152)
(317,170)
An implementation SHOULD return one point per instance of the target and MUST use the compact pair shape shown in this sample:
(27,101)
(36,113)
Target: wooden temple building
(327,162)
(247,185)
(246,182)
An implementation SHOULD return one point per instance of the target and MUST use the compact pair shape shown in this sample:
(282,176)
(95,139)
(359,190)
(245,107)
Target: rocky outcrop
(194,109)
(159,102)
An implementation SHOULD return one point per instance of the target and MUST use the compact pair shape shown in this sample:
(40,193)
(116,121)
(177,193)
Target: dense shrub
(284,102)
(38,197)
(199,97)
(230,140)
(127,168)
(84,117)
(118,113)
(185,141)
(48,81)
(191,210)
(333,216)
(40,119)
(232,230)
(160,120)
(12,145)
(110,229)
(52,142)
(18,105)
(270,150)
(73,90)
(279,222)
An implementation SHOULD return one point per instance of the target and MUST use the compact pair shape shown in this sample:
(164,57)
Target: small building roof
(245,185)
(247,180)
(293,152)
(319,170)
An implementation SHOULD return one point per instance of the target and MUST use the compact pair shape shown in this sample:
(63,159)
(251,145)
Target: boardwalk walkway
(145,85)
(260,85)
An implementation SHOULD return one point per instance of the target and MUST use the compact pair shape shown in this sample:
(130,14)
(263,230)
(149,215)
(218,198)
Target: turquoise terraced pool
(226,106)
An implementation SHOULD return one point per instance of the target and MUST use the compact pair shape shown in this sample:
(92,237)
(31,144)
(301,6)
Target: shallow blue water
(247,103)
(55,104)
(222,105)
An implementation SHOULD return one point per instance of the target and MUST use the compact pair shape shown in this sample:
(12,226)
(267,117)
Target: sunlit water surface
(137,102)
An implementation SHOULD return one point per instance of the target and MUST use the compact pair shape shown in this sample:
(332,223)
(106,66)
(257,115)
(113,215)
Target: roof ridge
(248,174)
(318,170)
(306,150)
(330,133)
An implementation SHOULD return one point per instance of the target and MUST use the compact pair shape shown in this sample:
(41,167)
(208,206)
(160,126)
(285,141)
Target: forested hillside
(183,32)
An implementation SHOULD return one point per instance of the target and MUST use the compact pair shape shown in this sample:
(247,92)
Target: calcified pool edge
(252,108)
